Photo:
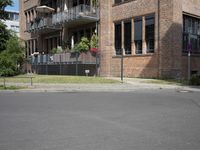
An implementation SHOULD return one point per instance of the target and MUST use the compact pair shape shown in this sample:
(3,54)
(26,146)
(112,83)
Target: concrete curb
(129,85)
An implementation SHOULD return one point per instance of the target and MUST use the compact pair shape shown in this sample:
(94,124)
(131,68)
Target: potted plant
(94,44)
(82,46)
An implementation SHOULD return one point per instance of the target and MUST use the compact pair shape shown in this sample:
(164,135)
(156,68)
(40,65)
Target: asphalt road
(140,120)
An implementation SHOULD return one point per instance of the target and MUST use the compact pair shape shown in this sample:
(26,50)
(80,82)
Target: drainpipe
(159,50)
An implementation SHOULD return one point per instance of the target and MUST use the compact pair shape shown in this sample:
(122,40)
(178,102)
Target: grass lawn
(10,87)
(58,79)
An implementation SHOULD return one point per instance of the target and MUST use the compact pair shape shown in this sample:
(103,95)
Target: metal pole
(97,53)
(96,66)
(122,66)
(31,81)
(189,62)
(189,54)
(35,64)
(60,64)
(76,63)
(47,60)
(36,69)
(4,82)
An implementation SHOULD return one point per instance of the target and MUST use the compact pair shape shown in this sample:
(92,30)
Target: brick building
(50,24)
(153,35)
(13,22)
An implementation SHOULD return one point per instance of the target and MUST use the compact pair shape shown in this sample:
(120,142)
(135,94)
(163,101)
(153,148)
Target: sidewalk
(129,84)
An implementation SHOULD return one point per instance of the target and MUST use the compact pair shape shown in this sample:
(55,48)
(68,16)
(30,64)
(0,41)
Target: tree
(94,44)
(4,33)
(12,57)
(4,36)
(3,5)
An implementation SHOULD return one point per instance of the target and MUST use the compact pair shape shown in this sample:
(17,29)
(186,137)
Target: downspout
(159,50)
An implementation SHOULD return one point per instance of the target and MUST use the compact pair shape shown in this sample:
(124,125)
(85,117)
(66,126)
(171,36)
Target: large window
(191,34)
(138,35)
(149,32)
(127,37)
(118,38)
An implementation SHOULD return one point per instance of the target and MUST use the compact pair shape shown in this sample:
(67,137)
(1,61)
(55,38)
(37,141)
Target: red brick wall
(167,60)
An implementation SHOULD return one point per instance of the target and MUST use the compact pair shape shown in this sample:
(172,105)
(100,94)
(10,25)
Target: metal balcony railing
(63,58)
(74,13)
(39,24)
(79,12)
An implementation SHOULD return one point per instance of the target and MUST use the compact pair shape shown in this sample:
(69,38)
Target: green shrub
(94,41)
(82,46)
(195,80)
(56,50)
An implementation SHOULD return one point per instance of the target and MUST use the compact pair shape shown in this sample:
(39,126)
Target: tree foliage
(4,33)
(11,51)
(3,5)
(82,46)
(4,36)
(12,58)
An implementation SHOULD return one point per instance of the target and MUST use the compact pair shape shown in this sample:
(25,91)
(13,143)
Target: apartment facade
(154,36)
(50,24)
(13,22)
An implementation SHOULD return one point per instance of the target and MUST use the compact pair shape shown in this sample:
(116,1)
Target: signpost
(189,48)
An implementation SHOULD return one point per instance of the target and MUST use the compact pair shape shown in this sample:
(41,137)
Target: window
(88,34)
(118,38)
(81,34)
(16,16)
(118,1)
(81,2)
(138,35)
(191,34)
(75,37)
(75,3)
(127,37)
(149,33)
(88,2)
(149,39)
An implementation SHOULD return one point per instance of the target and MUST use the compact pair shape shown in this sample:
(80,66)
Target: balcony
(38,24)
(79,14)
(41,25)
(63,58)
